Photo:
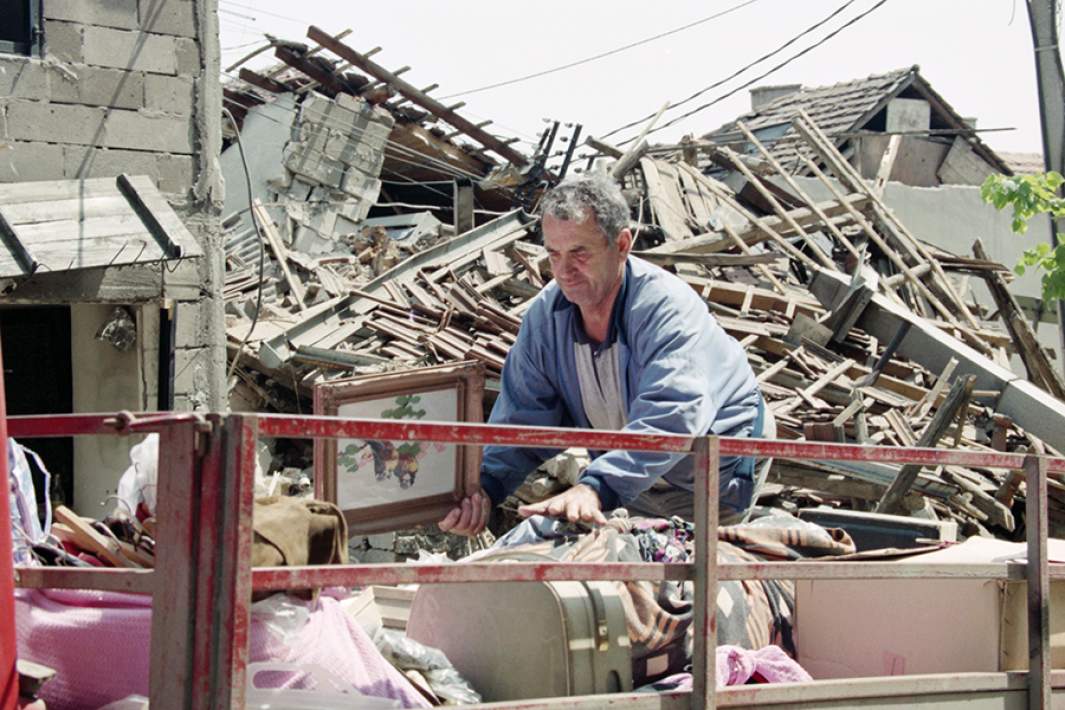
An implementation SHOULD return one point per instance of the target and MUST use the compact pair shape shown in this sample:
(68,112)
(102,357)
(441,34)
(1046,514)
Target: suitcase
(524,640)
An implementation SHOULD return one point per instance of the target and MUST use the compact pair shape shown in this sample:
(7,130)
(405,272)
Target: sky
(976,53)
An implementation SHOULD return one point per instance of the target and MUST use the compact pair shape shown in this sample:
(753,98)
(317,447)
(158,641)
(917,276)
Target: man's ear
(624,241)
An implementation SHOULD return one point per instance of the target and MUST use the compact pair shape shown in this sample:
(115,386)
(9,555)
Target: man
(616,343)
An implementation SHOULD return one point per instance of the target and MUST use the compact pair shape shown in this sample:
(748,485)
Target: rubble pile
(834,301)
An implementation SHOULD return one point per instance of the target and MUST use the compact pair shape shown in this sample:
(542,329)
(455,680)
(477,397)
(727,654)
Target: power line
(733,75)
(601,55)
(758,78)
(264,12)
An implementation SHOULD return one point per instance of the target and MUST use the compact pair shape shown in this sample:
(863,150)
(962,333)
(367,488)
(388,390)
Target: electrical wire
(733,75)
(602,55)
(526,138)
(262,249)
(263,12)
(758,78)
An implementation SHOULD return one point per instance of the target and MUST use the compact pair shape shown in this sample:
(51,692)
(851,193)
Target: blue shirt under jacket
(681,373)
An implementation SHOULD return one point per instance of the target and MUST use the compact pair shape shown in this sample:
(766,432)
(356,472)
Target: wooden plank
(825,221)
(263,82)
(926,403)
(665,203)
(628,160)
(273,239)
(959,393)
(87,538)
(726,260)
(883,173)
(496,263)
(698,199)
(769,231)
(732,294)
(778,208)
(884,216)
(413,94)
(1035,360)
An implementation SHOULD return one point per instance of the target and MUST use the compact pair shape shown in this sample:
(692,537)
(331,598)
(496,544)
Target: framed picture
(391,485)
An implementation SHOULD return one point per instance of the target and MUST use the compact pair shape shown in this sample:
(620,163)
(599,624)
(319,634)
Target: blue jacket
(681,373)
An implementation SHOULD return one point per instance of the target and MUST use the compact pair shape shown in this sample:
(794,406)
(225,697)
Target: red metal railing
(202,581)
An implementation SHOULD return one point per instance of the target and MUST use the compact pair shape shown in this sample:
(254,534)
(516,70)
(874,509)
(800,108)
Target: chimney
(969,121)
(761,95)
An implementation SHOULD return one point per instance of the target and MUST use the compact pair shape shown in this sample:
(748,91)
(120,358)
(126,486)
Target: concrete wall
(105,380)
(128,86)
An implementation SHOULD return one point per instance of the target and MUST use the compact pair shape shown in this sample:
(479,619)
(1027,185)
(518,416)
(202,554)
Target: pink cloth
(736,666)
(98,642)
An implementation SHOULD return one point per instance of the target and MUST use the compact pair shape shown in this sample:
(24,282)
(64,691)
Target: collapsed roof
(857,329)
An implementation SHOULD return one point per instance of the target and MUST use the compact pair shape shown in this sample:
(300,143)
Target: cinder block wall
(131,86)
(127,86)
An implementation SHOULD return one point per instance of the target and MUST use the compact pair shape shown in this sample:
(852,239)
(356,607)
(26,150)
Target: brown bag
(298,531)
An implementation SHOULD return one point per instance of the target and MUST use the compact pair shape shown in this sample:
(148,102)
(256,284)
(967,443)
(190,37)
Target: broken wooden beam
(959,394)
(416,96)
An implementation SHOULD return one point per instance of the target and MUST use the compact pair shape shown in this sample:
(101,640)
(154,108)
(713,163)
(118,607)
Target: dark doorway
(38,380)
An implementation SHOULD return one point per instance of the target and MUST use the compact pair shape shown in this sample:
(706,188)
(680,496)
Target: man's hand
(578,504)
(469,517)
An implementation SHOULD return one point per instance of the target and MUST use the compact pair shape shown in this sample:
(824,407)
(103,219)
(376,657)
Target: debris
(848,318)
(119,329)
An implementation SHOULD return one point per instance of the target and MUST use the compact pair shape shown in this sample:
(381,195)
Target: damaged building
(770,222)
(110,198)
(367,229)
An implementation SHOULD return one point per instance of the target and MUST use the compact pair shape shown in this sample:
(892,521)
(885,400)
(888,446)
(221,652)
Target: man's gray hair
(593,194)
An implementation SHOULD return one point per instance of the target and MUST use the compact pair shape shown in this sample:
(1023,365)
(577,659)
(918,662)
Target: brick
(138,51)
(25,161)
(54,123)
(142,131)
(94,86)
(170,94)
(23,79)
(188,56)
(176,173)
(168,17)
(108,13)
(89,162)
(64,41)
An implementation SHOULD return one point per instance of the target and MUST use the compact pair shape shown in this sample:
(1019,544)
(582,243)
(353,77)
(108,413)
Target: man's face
(585,265)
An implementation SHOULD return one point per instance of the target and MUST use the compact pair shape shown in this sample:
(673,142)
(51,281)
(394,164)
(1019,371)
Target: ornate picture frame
(383,486)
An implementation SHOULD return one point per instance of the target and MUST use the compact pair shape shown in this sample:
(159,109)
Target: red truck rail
(203,580)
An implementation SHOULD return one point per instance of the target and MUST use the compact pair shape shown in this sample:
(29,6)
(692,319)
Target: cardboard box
(858,628)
